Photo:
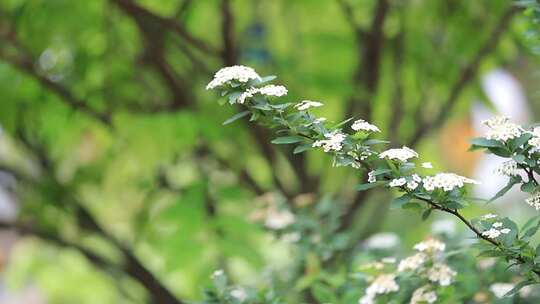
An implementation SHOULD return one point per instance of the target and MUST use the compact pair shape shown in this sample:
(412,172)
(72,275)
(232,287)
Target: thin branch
(164,23)
(467,74)
(229,52)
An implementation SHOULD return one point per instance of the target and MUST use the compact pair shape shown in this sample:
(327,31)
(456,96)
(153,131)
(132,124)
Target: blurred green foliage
(119,149)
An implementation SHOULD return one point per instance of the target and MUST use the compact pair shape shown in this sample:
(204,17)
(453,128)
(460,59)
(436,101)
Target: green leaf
(288,140)
(426,214)
(367,186)
(400,201)
(519,158)
(323,293)
(234,96)
(484,143)
(236,117)
(302,148)
(506,188)
(518,142)
(502,152)
(528,187)
(518,287)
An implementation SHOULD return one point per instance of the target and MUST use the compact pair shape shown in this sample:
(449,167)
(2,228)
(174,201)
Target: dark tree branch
(468,74)
(24,62)
(229,52)
(164,23)
(366,76)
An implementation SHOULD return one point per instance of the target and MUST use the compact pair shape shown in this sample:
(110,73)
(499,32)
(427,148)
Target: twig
(467,74)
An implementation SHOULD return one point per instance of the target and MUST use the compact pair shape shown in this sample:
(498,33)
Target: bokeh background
(119,183)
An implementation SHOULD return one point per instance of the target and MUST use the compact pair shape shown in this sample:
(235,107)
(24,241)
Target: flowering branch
(394,168)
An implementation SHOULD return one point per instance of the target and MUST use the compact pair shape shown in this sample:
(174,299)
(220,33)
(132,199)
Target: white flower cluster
(427,165)
(534,200)
(488,216)
(383,284)
(508,168)
(268,90)
(333,143)
(306,104)
(423,295)
(239,294)
(382,240)
(502,129)
(500,289)
(364,126)
(495,231)
(402,154)
(446,181)
(441,273)
(239,73)
(425,263)
(535,140)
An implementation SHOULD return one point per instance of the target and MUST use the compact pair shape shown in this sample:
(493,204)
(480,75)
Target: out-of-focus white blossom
(502,129)
(278,219)
(397,182)
(413,262)
(239,294)
(489,216)
(383,284)
(445,226)
(238,73)
(441,273)
(535,140)
(333,143)
(402,154)
(389,260)
(364,126)
(500,289)
(217,273)
(383,240)
(306,104)
(534,200)
(497,225)
(495,232)
(427,165)
(423,295)
(508,168)
(430,245)
(446,181)
(486,263)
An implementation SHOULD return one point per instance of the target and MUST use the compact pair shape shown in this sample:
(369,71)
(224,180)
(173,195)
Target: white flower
(486,263)
(497,225)
(441,273)
(430,245)
(534,200)
(397,182)
(491,233)
(500,289)
(319,120)
(416,178)
(535,140)
(411,185)
(383,240)
(403,154)
(239,293)
(306,104)
(489,216)
(247,94)
(446,181)
(273,90)
(333,143)
(502,129)
(508,168)
(413,262)
(371,176)
(364,126)
(422,295)
(239,73)
(291,237)
(427,165)
(505,230)
(276,220)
